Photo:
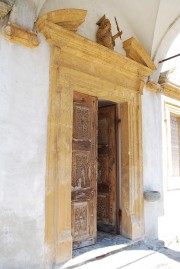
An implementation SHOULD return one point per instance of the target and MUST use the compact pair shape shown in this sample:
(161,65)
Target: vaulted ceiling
(150,20)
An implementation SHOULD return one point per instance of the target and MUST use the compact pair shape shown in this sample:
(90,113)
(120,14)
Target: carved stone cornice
(171,90)
(137,53)
(21,36)
(69,19)
(78,51)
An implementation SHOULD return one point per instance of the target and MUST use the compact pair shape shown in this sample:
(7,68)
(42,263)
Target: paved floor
(105,240)
(121,253)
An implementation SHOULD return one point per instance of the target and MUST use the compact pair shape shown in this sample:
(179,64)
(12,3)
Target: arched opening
(164,47)
(171,63)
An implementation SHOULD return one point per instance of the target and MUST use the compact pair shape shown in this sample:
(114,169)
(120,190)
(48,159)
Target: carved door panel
(107,175)
(84,170)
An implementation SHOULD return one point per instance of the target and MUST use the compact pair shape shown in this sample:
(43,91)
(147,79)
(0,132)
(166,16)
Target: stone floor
(107,244)
(116,252)
(105,240)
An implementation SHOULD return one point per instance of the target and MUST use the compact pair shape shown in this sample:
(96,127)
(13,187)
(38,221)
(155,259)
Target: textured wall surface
(23,129)
(25,13)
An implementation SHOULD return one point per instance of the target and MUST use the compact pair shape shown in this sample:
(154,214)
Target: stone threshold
(106,245)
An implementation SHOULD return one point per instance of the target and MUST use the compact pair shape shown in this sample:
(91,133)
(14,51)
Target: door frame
(78,64)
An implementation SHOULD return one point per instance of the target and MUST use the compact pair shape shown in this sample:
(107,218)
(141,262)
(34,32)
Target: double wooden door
(88,205)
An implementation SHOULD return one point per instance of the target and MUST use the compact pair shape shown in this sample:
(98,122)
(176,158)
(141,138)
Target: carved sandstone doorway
(78,64)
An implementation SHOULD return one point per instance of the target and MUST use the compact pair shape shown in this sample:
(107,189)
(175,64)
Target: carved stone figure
(104,35)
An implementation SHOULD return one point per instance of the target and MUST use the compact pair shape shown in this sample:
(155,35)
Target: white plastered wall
(24,85)
(152,160)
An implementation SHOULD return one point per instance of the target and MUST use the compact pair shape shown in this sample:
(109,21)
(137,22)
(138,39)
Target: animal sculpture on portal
(104,35)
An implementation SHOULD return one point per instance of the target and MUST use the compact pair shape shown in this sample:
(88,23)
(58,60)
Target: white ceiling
(150,19)
(141,16)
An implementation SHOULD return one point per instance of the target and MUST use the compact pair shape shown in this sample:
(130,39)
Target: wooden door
(107,173)
(84,170)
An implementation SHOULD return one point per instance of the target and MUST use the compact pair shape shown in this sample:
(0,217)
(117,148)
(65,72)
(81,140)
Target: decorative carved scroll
(21,36)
